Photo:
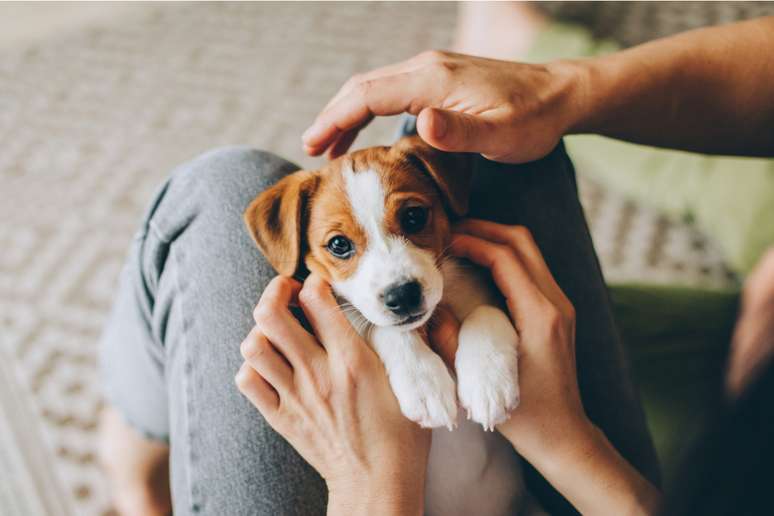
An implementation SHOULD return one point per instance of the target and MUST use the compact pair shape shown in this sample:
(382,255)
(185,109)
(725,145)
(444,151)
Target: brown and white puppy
(375,224)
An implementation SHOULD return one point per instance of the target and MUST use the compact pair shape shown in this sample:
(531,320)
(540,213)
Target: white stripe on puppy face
(387,260)
(366,195)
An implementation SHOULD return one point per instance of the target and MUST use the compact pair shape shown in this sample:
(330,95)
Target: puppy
(376,225)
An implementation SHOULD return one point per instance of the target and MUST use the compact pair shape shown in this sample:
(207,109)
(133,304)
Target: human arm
(705,90)
(550,428)
(329,396)
(752,346)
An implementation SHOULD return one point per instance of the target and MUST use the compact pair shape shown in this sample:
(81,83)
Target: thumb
(323,312)
(453,131)
(443,333)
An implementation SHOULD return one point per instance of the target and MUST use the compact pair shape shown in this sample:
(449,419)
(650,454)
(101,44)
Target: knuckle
(263,315)
(253,348)
(434,55)
(352,82)
(361,88)
(355,363)
(558,324)
(247,347)
(443,69)
(283,282)
(570,314)
(243,382)
(520,232)
(275,283)
(310,295)
(501,253)
(552,316)
(322,386)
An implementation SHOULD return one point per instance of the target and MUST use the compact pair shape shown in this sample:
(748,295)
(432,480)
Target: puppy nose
(404,298)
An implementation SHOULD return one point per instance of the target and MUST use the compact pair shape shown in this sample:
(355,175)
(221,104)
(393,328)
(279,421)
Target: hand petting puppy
(329,396)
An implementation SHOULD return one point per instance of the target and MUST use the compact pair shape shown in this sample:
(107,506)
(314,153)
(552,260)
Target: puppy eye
(341,247)
(413,219)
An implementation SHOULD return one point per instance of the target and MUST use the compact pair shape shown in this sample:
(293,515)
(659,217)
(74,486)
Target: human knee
(227,174)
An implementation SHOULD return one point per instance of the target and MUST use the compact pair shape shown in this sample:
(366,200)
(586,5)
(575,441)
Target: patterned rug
(90,123)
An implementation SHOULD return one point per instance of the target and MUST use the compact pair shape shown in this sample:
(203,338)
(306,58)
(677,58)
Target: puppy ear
(276,220)
(452,172)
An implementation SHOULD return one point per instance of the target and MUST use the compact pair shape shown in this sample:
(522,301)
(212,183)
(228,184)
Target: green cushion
(677,340)
(730,199)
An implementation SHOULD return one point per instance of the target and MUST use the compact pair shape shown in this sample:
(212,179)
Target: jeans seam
(194,506)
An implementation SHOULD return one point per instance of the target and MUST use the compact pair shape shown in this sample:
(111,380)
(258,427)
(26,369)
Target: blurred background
(99,101)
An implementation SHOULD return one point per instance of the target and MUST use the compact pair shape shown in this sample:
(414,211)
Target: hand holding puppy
(545,320)
(329,396)
(549,428)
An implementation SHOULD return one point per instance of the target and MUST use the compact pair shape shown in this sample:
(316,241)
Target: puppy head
(374,223)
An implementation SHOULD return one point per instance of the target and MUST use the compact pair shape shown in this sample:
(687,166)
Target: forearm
(707,90)
(579,461)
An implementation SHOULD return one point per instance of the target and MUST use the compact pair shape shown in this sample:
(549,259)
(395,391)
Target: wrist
(574,78)
(578,460)
(552,446)
(573,446)
(383,495)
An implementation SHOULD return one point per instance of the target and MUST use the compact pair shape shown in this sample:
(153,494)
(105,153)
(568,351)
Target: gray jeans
(171,346)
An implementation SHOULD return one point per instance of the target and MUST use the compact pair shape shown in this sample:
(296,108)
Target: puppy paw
(487,367)
(488,396)
(426,392)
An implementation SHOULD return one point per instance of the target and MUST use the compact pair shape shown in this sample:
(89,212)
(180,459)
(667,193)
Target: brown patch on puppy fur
(452,172)
(276,220)
(296,218)
(329,216)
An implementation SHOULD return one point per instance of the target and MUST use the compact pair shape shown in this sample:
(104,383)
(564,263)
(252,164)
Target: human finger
(521,241)
(344,142)
(455,131)
(259,353)
(381,96)
(273,317)
(408,65)
(257,390)
(511,277)
(324,314)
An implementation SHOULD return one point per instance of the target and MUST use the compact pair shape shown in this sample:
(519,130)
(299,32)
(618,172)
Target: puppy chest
(472,472)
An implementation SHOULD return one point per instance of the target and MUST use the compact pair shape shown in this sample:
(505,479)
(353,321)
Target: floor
(30,22)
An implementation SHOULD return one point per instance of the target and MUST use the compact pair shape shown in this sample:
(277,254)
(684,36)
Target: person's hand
(545,320)
(549,428)
(507,111)
(753,342)
(329,396)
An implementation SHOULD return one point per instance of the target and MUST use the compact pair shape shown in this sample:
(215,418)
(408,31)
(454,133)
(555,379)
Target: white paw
(426,392)
(487,367)
(488,396)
